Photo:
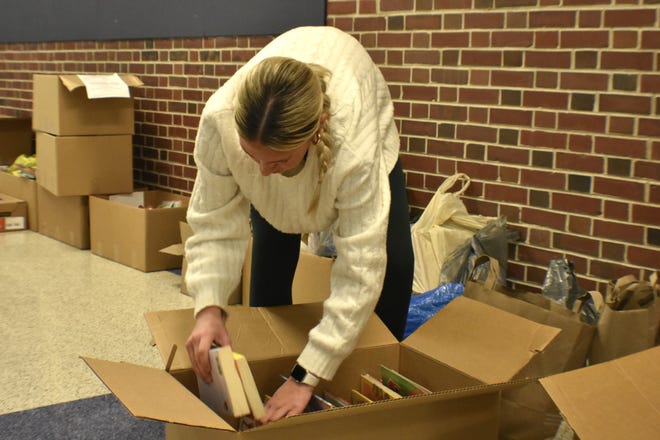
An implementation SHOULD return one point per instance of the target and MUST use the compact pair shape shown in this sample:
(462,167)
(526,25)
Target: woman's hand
(290,399)
(209,328)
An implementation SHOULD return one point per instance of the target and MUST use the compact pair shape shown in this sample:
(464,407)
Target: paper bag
(629,319)
(528,412)
(444,226)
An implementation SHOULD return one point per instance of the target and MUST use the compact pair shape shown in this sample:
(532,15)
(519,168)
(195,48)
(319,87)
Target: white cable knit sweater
(355,192)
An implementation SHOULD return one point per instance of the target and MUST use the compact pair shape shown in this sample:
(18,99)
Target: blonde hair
(279,105)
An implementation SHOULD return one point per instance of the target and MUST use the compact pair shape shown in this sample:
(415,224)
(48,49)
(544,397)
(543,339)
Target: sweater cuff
(318,362)
(206,299)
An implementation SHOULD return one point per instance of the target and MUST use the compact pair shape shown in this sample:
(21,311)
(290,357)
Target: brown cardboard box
(619,399)
(84,165)
(132,235)
(15,139)
(24,189)
(311,282)
(464,353)
(60,106)
(13,213)
(64,218)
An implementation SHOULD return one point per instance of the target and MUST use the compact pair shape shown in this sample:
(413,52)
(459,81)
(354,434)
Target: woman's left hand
(289,399)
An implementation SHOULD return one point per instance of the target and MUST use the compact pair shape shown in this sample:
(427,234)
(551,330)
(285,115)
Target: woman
(300,139)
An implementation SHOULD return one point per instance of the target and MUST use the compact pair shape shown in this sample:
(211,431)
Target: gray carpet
(101,417)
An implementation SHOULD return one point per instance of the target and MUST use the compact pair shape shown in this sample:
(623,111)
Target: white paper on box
(14,223)
(133,199)
(105,86)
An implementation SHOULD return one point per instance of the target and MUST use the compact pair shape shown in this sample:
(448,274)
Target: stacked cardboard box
(15,140)
(84,147)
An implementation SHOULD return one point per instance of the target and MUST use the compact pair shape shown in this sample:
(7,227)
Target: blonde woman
(299,139)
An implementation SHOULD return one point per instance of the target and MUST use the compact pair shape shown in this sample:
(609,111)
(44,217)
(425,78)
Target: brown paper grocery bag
(528,412)
(629,330)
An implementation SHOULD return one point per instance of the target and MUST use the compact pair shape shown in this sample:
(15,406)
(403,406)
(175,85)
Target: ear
(323,120)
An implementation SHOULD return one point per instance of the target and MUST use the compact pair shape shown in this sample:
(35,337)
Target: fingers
(198,352)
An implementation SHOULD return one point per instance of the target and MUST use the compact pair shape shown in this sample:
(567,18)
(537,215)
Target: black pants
(275,256)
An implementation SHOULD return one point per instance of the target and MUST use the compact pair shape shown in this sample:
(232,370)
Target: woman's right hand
(209,328)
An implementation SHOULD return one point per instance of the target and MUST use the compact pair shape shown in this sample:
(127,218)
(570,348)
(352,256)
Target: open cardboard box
(132,235)
(311,282)
(13,213)
(15,139)
(60,106)
(619,399)
(467,353)
(24,189)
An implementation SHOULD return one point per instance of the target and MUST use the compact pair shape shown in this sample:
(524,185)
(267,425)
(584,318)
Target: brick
(627,60)
(517,156)
(584,39)
(424,93)
(546,40)
(452,4)
(508,136)
(582,102)
(483,170)
(539,199)
(448,113)
(478,96)
(555,19)
(395,23)
(621,125)
(619,188)
(583,81)
(395,74)
(577,204)
(589,19)
(450,39)
(649,127)
(624,39)
(512,39)
(639,105)
(512,58)
(483,20)
(546,99)
(416,22)
(481,58)
(546,80)
(431,57)
(538,138)
(446,148)
(616,210)
(581,122)
(586,59)
(647,170)
(543,179)
(476,133)
(478,115)
(543,159)
(579,183)
(365,24)
(504,78)
(453,21)
(421,40)
(548,59)
(653,237)
(394,40)
(511,117)
(619,167)
(447,131)
(542,217)
(396,5)
(650,39)
(625,147)
(480,39)
(579,225)
(580,162)
(575,243)
(475,152)
(643,256)
(624,82)
(450,76)
(611,271)
(650,83)
(630,17)
(418,163)
(612,251)
(420,128)
(647,215)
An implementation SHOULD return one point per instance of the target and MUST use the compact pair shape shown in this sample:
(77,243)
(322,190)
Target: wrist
(300,375)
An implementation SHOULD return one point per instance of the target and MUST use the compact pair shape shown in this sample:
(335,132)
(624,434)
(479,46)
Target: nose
(266,168)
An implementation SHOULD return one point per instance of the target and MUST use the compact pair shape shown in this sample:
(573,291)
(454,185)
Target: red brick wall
(550,106)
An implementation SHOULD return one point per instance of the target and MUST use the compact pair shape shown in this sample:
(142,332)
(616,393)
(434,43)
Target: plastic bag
(561,285)
(492,240)
(443,227)
(321,243)
(427,304)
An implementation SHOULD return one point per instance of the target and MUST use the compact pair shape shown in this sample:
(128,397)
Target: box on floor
(13,213)
(311,281)
(84,165)
(614,400)
(15,139)
(64,218)
(24,189)
(132,229)
(467,366)
(60,106)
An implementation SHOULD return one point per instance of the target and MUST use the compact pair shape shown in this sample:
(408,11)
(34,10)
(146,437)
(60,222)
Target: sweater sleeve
(218,216)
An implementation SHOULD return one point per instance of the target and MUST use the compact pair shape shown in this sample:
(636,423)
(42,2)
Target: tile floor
(58,303)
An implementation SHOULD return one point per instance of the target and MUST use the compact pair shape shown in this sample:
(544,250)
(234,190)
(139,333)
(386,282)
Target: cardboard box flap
(9,203)
(154,394)
(72,82)
(613,400)
(257,332)
(486,343)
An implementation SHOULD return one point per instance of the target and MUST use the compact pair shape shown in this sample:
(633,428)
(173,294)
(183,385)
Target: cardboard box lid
(484,342)
(72,82)
(154,394)
(613,400)
(257,332)
(9,203)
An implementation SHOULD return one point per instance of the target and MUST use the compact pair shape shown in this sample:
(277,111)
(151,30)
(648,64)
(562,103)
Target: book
(249,386)
(375,390)
(225,395)
(335,400)
(358,397)
(400,383)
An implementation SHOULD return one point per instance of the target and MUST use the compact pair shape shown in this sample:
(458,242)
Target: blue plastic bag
(427,304)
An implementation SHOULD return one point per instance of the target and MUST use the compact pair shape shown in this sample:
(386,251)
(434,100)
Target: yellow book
(358,397)
(375,390)
(250,386)
(225,395)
